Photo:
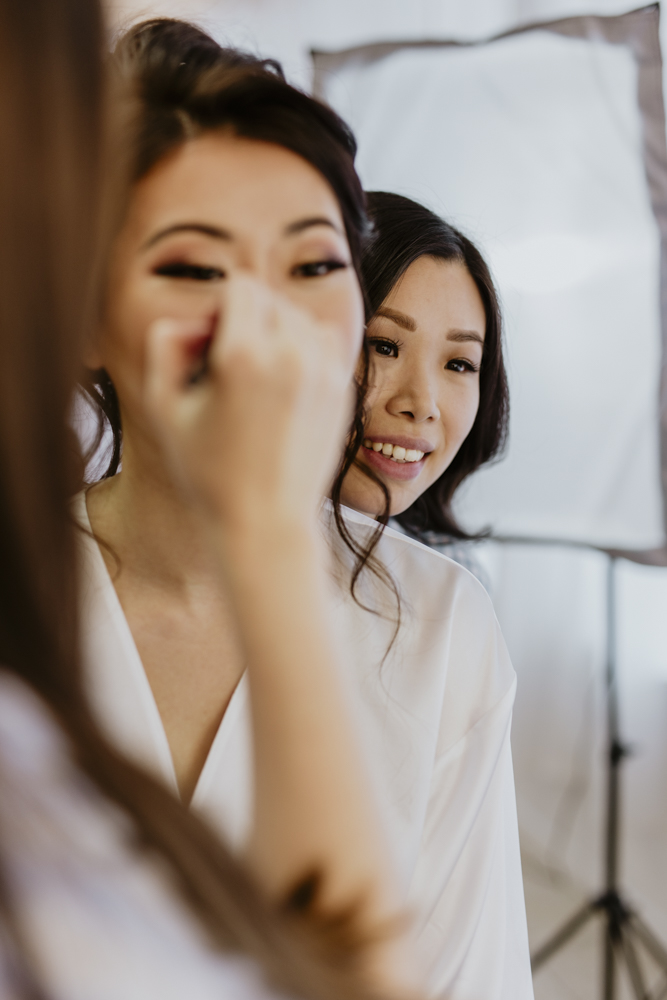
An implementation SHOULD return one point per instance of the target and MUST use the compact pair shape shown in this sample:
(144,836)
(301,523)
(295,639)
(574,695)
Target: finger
(172,346)
(247,320)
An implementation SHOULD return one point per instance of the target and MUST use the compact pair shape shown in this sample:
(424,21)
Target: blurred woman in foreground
(108,887)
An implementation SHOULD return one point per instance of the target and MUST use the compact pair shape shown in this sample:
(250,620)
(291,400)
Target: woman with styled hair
(439,403)
(109,887)
(238,176)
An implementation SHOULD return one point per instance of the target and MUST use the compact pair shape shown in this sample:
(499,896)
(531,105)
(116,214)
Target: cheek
(383,375)
(377,393)
(134,307)
(124,340)
(350,320)
(460,416)
(124,336)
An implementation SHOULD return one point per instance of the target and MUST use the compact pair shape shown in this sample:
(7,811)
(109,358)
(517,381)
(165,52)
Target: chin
(357,495)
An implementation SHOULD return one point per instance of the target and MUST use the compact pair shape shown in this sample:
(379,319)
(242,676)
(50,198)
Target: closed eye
(461,365)
(190,272)
(385,347)
(318,268)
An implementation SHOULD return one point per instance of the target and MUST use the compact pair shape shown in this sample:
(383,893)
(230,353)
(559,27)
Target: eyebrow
(315,220)
(399,318)
(216,233)
(463,336)
(189,227)
(408,323)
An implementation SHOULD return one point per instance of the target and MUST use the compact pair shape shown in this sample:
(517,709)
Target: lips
(404,462)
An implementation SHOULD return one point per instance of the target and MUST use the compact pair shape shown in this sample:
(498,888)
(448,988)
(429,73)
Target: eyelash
(196,272)
(193,272)
(396,346)
(312,268)
(469,366)
(386,342)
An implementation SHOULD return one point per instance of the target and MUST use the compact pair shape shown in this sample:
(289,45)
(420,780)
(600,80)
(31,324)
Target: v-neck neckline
(164,758)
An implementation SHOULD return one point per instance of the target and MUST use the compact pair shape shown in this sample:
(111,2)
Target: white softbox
(547,147)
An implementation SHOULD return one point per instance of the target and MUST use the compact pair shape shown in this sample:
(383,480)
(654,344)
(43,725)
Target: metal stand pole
(624,930)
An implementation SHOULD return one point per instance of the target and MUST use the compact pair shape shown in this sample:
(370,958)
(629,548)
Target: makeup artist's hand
(255,438)
(258,436)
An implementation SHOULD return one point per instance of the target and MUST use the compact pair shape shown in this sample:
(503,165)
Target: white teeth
(395,451)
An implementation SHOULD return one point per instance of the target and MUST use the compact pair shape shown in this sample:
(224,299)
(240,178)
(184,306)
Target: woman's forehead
(435,290)
(232,181)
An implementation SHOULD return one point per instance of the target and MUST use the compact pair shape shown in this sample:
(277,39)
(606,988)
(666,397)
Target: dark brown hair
(185,85)
(53,161)
(404,231)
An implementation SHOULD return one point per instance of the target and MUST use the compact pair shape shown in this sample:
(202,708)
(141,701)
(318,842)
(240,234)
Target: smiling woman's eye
(318,268)
(385,347)
(192,272)
(461,365)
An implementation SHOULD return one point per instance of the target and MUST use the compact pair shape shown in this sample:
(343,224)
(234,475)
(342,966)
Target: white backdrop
(533,145)
(550,602)
(289,29)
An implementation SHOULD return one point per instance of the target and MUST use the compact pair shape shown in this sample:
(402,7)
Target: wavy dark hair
(185,85)
(404,231)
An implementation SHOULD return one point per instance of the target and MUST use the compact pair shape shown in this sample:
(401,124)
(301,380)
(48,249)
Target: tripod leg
(562,936)
(609,982)
(632,963)
(654,947)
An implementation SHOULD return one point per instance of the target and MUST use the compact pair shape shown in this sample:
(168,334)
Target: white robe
(101,921)
(436,713)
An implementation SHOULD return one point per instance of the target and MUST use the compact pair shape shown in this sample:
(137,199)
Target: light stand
(624,928)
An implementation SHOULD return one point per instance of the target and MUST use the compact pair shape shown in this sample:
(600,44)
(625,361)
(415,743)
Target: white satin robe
(436,714)
(101,921)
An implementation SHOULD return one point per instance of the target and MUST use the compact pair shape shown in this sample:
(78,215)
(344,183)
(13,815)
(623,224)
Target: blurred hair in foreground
(60,194)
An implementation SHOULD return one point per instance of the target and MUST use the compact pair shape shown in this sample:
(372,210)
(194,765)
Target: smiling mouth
(394,451)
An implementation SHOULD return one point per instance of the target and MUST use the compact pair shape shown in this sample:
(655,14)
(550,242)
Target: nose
(414,396)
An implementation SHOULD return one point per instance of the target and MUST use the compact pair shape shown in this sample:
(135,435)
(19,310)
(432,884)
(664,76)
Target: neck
(147,522)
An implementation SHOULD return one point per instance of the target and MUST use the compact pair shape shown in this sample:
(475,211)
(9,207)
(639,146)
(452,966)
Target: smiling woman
(438,405)
(425,383)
